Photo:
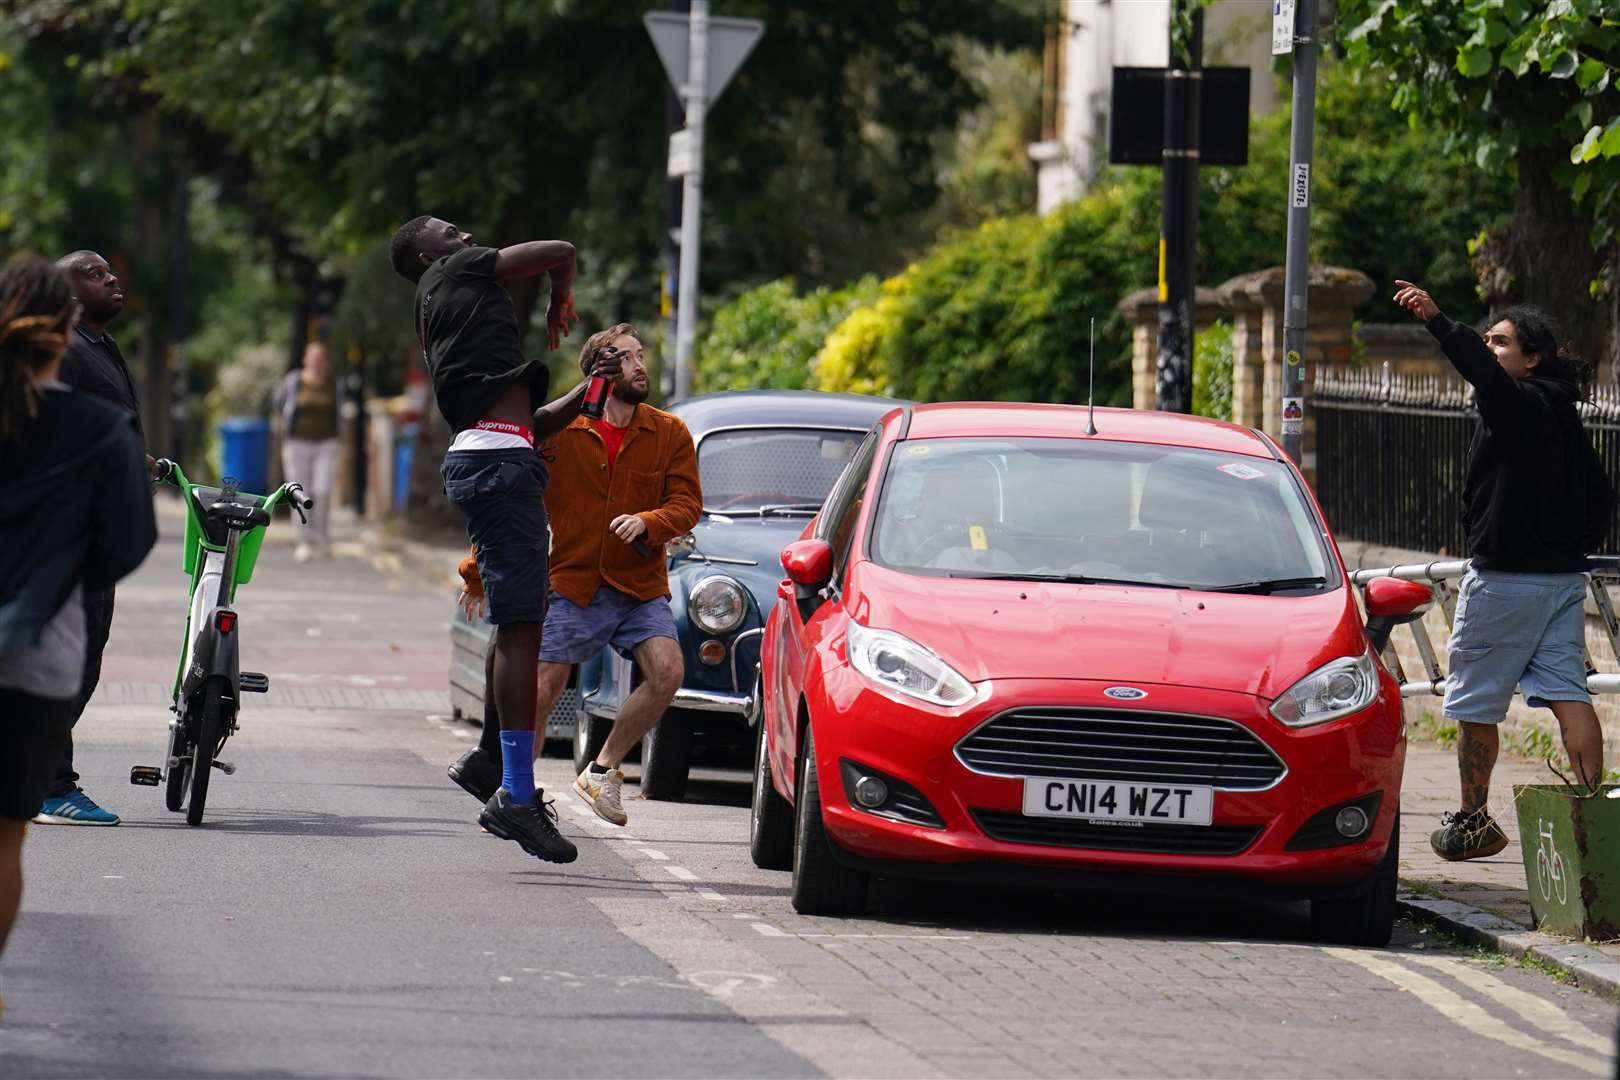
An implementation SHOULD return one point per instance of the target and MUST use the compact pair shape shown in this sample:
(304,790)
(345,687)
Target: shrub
(769,336)
(1212,372)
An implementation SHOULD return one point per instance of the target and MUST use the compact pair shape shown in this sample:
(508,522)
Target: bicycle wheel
(209,729)
(179,774)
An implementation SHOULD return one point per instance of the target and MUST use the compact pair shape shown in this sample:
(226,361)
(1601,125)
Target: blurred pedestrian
(631,476)
(75,516)
(308,403)
(494,399)
(92,365)
(1536,503)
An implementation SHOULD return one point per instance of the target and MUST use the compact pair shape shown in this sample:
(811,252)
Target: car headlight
(717,605)
(1346,685)
(895,661)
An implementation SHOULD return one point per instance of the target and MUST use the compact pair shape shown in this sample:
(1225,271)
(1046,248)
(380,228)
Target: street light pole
(1296,285)
(1178,244)
(695,92)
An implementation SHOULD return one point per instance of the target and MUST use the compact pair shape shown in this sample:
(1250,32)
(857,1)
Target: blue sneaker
(74,808)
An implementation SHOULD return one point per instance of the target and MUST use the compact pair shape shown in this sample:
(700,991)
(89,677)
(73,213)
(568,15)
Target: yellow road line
(1547,1017)
(1465,1013)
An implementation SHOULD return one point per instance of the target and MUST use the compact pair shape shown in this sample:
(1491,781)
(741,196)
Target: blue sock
(517,765)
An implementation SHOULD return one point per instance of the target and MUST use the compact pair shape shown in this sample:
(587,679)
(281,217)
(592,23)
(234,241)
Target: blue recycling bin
(404,451)
(245,452)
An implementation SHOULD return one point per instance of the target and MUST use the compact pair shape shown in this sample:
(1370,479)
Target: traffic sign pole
(696,94)
(1296,281)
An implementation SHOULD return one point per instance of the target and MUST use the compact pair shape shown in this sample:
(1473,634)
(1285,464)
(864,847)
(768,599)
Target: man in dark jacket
(1536,503)
(94,366)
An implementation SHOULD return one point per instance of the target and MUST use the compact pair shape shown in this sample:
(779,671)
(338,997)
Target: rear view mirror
(808,563)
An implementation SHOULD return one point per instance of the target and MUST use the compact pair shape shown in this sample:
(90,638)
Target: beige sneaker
(602,791)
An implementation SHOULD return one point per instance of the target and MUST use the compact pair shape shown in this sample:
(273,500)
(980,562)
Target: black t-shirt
(469,335)
(94,365)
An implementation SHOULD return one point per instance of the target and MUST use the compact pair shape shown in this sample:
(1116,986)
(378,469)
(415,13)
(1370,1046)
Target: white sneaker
(302,553)
(603,792)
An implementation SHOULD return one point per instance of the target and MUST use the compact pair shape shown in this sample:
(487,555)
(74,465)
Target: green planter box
(1571,850)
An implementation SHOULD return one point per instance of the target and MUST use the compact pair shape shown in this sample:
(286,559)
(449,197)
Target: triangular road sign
(730,42)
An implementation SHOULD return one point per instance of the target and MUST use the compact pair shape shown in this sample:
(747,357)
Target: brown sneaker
(1467,836)
(603,792)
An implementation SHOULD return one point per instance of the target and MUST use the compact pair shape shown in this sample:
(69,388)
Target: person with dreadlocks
(494,398)
(75,515)
(1536,502)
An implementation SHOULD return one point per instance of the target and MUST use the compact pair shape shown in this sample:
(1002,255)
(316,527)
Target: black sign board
(1136,119)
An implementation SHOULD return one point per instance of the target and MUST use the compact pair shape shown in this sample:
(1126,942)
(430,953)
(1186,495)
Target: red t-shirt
(612,438)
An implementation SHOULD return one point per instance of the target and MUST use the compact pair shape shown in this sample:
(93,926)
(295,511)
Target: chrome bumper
(713,701)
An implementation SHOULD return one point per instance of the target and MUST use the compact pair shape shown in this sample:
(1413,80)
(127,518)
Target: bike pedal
(145,776)
(225,767)
(253,682)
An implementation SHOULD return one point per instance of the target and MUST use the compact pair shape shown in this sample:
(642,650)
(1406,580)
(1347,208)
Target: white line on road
(710,894)
(651,853)
(1465,1013)
(1546,1016)
(681,872)
(768,930)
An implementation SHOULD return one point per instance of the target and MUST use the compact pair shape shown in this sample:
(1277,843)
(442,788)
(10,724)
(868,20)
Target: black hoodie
(1535,498)
(75,506)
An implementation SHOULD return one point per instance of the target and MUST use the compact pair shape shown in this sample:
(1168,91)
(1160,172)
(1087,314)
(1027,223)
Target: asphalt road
(340,913)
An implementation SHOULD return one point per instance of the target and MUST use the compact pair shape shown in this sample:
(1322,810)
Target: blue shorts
(1524,630)
(502,494)
(574,634)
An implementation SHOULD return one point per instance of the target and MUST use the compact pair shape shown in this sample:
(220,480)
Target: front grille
(1015,828)
(1140,747)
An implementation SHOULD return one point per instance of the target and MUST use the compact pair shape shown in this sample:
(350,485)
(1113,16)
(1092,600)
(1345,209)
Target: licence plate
(1112,800)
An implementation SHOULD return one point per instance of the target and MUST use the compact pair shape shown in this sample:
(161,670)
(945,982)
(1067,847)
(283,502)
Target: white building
(1087,39)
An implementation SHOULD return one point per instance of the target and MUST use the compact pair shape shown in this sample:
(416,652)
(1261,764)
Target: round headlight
(717,605)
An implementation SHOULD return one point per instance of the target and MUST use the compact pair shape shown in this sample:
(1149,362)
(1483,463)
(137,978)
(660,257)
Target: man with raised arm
(493,398)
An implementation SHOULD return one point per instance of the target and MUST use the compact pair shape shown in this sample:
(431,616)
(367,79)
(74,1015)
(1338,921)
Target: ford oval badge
(1125,693)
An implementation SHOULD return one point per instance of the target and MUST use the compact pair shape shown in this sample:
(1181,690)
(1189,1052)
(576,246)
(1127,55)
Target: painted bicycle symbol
(1549,865)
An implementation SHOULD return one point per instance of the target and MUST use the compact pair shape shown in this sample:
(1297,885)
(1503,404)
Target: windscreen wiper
(1063,579)
(789,508)
(1271,586)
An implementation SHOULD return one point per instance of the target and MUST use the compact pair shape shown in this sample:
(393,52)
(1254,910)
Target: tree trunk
(1546,258)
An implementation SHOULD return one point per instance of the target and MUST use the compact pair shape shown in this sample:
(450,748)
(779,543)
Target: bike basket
(1571,849)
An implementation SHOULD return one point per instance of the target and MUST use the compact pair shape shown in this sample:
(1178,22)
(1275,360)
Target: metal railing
(1601,571)
(1391,451)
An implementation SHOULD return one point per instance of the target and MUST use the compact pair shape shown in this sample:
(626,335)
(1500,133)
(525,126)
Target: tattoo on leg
(1474,765)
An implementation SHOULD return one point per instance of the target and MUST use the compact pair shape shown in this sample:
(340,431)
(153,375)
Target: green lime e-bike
(224,533)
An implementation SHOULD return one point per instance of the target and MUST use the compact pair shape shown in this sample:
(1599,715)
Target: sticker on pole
(1302,185)
(1293,359)
(1282,27)
(1293,408)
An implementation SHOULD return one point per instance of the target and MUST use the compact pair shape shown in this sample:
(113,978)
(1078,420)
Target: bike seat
(243,512)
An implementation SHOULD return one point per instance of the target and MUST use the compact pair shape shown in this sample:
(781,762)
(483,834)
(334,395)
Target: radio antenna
(1091,389)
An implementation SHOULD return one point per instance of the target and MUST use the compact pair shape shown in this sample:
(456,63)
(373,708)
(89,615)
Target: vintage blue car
(767,459)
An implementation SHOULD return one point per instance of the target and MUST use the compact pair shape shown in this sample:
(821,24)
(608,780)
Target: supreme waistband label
(505,428)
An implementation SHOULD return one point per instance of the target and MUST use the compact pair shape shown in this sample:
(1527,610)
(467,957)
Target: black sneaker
(1467,836)
(533,827)
(477,775)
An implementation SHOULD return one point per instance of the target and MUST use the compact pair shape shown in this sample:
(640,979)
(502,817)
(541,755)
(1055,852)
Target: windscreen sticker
(1241,471)
(918,449)
(977,538)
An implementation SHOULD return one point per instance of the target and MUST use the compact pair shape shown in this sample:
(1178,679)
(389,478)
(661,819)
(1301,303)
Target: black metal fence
(1391,451)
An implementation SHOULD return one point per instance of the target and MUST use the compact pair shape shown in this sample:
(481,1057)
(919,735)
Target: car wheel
(821,884)
(590,732)
(770,819)
(1368,918)
(666,756)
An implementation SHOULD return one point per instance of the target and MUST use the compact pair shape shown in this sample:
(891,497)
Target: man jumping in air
(492,396)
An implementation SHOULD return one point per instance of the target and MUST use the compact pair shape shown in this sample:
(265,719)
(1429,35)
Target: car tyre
(666,757)
(590,732)
(1366,919)
(821,884)
(770,818)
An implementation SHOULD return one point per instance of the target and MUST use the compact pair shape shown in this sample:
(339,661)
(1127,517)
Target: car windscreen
(761,469)
(1073,509)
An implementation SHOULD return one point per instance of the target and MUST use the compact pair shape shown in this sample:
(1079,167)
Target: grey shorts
(574,634)
(1524,630)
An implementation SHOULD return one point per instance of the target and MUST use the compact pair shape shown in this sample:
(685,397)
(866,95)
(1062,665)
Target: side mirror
(1390,603)
(1397,600)
(682,546)
(809,563)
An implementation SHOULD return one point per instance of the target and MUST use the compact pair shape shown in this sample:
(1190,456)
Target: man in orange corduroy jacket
(621,488)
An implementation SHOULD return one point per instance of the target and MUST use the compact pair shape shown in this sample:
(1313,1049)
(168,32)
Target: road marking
(902,937)
(654,854)
(710,894)
(768,930)
(681,872)
(112,877)
(1546,1016)
(1464,1013)
(745,915)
